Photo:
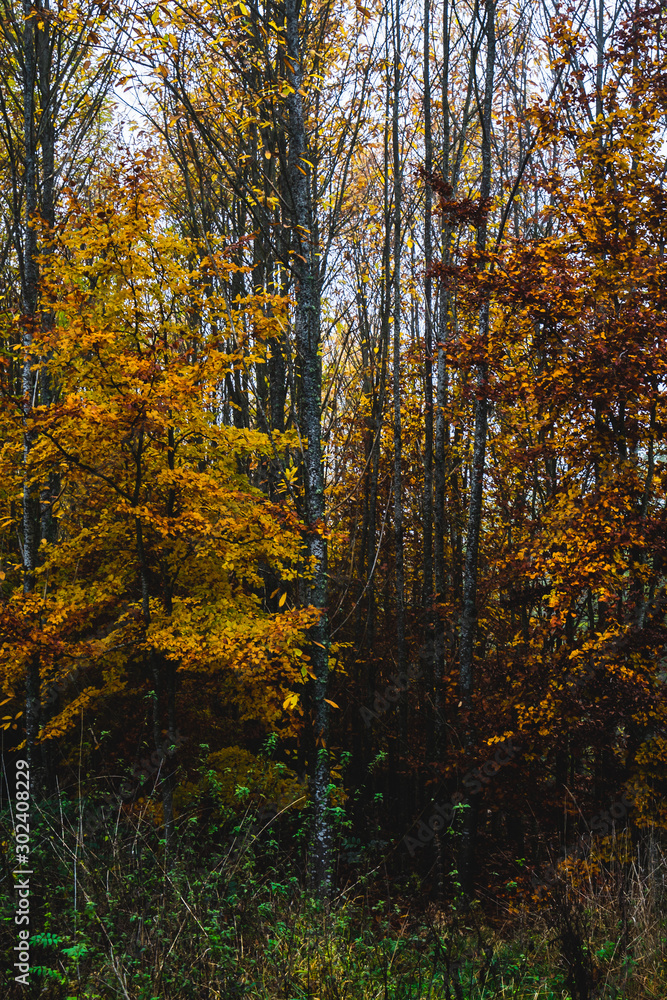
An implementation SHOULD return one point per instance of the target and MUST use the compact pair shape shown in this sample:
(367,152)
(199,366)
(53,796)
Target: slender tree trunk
(441,429)
(45,391)
(155,660)
(427,503)
(469,611)
(30,282)
(307,331)
(168,682)
(30,292)
(428,320)
(398,440)
(470,608)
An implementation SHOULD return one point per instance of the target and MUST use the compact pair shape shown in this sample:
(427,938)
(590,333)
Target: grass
(228,918)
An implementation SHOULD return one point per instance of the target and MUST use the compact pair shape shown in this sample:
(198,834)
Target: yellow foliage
(235,768)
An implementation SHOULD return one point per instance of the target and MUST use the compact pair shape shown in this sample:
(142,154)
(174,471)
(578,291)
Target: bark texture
(469,612)
(306,268)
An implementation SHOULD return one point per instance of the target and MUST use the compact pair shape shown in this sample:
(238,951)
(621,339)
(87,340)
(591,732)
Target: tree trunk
(427,504)
(398,441)
(470,608)
(30,283)
(307,332)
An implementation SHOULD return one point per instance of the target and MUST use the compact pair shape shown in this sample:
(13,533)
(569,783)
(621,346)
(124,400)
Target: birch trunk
(307,295)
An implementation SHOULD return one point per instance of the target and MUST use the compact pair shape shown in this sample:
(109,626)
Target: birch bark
(307,293)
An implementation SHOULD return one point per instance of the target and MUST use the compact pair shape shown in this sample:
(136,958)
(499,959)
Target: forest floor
(227,917)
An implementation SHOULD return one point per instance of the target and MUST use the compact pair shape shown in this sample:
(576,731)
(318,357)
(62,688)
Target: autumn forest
(333,500)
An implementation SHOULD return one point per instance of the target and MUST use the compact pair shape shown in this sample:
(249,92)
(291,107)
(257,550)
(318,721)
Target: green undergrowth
(225,915)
